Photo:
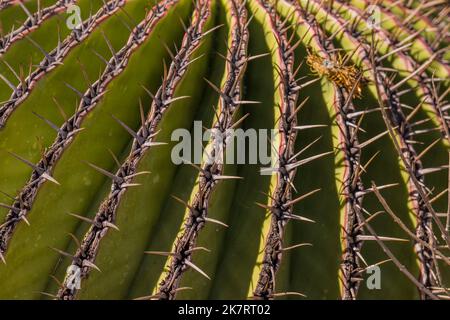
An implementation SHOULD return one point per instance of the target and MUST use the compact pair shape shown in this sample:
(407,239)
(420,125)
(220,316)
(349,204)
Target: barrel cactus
(116,123)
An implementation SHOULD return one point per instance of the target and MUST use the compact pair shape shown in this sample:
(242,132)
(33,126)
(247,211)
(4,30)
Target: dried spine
(86,253)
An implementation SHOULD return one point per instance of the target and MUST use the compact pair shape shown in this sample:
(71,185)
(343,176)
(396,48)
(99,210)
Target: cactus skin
(138,226)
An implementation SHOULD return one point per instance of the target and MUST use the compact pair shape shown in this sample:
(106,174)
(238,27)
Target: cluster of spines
(281,207)
(351,186)
(364,52)
(410,35)
(424,12)
(399,124)
(418,192)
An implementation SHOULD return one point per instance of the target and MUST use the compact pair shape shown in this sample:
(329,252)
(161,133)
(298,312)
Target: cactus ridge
(400,121)
(425,86)
(353,188)
(349,145)
(411,15)
(281,207)
(400,125)
(420,201)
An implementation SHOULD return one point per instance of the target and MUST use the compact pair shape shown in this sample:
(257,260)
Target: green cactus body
(94,204)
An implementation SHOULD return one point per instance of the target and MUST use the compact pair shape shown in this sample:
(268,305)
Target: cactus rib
(56,57)
(32,23)
(142,142)
(281,209)
(423,210)
(413,16)
(66,133)
(352,187)
(399,265)
(211,172)
(407,28)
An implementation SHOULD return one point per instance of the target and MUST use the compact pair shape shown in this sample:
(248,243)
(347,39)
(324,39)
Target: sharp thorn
(216,222)
(87,263)
(193,266)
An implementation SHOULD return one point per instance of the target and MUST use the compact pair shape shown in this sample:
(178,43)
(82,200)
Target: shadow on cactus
(224,149)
